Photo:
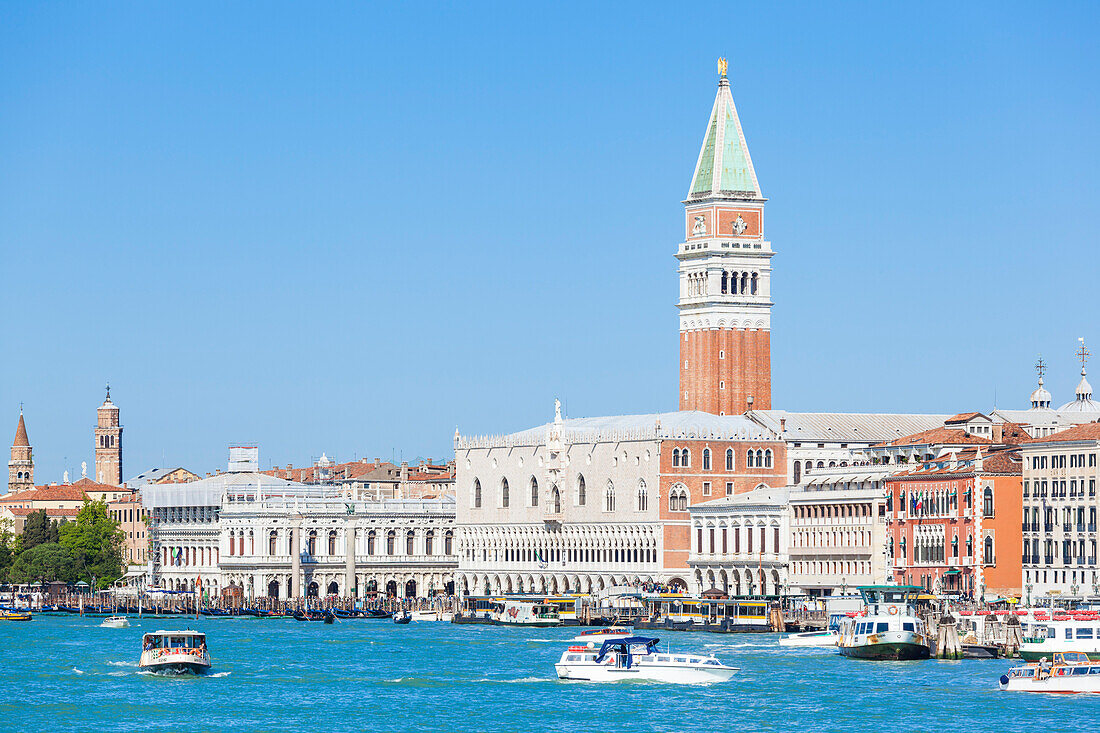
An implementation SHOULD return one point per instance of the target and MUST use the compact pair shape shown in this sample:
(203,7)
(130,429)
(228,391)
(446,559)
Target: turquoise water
(69,674)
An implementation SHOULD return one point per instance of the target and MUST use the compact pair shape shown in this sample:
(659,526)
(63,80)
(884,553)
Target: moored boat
(1069,672)
(175,652)
(637,658)
(599,636)
(811,639)
(888,627)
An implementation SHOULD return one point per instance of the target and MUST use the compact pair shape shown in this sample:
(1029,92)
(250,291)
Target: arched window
(429,538)
(609,497)
(410,540)
(988,557)
(685,458)
(675,457)
(987,503)
(448,543)
(643,496)
(581,493)
(759,459)
(311,544)
(768,458)
(750,459)
(706,459)
(332,542)
(729,459)
(755,278)
(391,542)
(232,542)
(504,492)
(477,495)
(555,499)
(271,539)
(371,537)
(744,283)
(534,491)
(797,472)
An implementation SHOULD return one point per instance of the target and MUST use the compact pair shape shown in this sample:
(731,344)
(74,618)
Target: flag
(542,562)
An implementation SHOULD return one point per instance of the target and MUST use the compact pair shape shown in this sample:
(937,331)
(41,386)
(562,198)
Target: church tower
(108,444)
(725,274)
(21,465)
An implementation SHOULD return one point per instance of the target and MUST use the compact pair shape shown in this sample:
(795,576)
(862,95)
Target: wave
(123,664)
(78,671)
(219,674)
(520,680)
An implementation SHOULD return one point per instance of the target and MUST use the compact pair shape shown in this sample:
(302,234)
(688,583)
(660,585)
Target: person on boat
(1044,669)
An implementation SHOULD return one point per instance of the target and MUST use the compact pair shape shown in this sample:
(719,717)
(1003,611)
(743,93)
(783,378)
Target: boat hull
(1068,685)
(647,672)
(887,650)
(810,639)
(177,668)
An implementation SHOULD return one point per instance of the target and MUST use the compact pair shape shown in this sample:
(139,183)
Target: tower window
(721,385)
(722,354)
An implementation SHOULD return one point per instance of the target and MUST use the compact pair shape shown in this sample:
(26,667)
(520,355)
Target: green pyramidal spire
(725,168)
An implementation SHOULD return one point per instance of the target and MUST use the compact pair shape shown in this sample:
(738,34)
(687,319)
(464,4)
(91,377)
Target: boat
(116,622)
(637,658)
(1069,672)
(599,636)
(174,652)
(888,627)
(811,639)
(1044,635)
(432,616)
(403,617)
(526,613)
(15,616)
(376,613)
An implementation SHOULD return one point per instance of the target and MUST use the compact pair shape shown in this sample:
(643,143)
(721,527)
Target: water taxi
(174,652)
(15,616)
(116,622)
(599,636)
(811,639)
(1070,672)
(888,627)
(637,658)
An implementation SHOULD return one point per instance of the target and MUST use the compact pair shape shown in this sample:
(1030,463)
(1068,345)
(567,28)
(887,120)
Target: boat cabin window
(1081,670)
(1069,632)
(681,659)
(1084,633)
(1094,670)
(574,658)
(882,626)
(665,659)
(1050,632)
(906,626)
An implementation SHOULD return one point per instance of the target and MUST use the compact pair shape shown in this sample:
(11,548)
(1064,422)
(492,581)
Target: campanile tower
(108,443)
(725,274)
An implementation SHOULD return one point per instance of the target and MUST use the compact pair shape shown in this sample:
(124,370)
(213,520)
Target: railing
(1048,559)
(1080,527)
(1092,527)
(1067,526)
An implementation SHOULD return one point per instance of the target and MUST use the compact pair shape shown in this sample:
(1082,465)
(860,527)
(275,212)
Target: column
(293,589)
(349,562)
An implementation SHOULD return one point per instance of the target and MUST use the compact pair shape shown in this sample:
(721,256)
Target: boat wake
(219,674)
(123,664)
(521,680)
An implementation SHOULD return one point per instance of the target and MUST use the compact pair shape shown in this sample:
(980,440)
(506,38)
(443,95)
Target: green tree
(8,544)
(95,542)
(50,561)
(54,536)
(36,530)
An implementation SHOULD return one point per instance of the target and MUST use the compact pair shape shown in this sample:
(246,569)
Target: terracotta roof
(21,440)
(1014,433)
(52,512)
(430,477)
(962,417)
(938,436)
(87,484)
(998,462)
(1088,431)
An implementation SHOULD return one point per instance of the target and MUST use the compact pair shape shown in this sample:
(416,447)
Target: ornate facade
(739,544)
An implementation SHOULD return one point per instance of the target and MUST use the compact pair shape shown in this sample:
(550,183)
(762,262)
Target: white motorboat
(810,638)
(637,658)
(888,627)
(116,622)
(1070,672)
(175,652)
(599,636)
(432,616)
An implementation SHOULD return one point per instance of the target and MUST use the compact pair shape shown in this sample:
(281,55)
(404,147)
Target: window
(729,459)
(987,502)
(706,459)
(477,495)
(706,488)
(410,539)
(371,537)
(989,558)
(448,543)
(311,544)
(391,541)
(675,457)
(332,542)
(580,490)
(677,499)
(685,458)
(271,538)
(643,496)
(609,497)
(534,491)
(729,488)
(555,499)
(750,459)
(768,458)
(504,492)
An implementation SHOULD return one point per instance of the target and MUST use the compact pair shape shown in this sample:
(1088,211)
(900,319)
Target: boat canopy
(623,647)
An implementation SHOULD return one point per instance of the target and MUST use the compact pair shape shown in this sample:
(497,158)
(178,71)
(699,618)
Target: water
(358,675)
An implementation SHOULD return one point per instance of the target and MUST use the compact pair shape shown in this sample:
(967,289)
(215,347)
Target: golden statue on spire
(721,66)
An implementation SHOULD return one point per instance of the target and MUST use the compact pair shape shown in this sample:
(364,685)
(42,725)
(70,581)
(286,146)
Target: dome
(1040,398)
(1084,401)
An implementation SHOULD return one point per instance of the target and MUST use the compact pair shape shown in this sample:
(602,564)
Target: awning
(952,572)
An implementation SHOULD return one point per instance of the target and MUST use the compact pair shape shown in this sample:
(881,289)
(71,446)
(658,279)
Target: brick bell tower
(108,443)
(725,274)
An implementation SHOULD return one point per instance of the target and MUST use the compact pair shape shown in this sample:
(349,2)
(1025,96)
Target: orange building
(954,523)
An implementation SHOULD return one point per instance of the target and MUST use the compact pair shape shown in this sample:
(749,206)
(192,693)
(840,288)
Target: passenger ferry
(888,627)
(1069,672)
(490,609)
(526,613)
(637,658)
(174,652)
(1046,634)
(675,612)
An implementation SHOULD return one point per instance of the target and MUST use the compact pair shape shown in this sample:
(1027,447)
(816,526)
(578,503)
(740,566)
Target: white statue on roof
(83,469)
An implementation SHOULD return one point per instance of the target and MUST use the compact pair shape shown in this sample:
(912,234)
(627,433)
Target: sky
(353,228)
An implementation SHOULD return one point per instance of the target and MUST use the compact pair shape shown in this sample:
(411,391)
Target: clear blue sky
(345,228)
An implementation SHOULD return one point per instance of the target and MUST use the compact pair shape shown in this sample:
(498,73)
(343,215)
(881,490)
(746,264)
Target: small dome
(1084,401)
(1040,398)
